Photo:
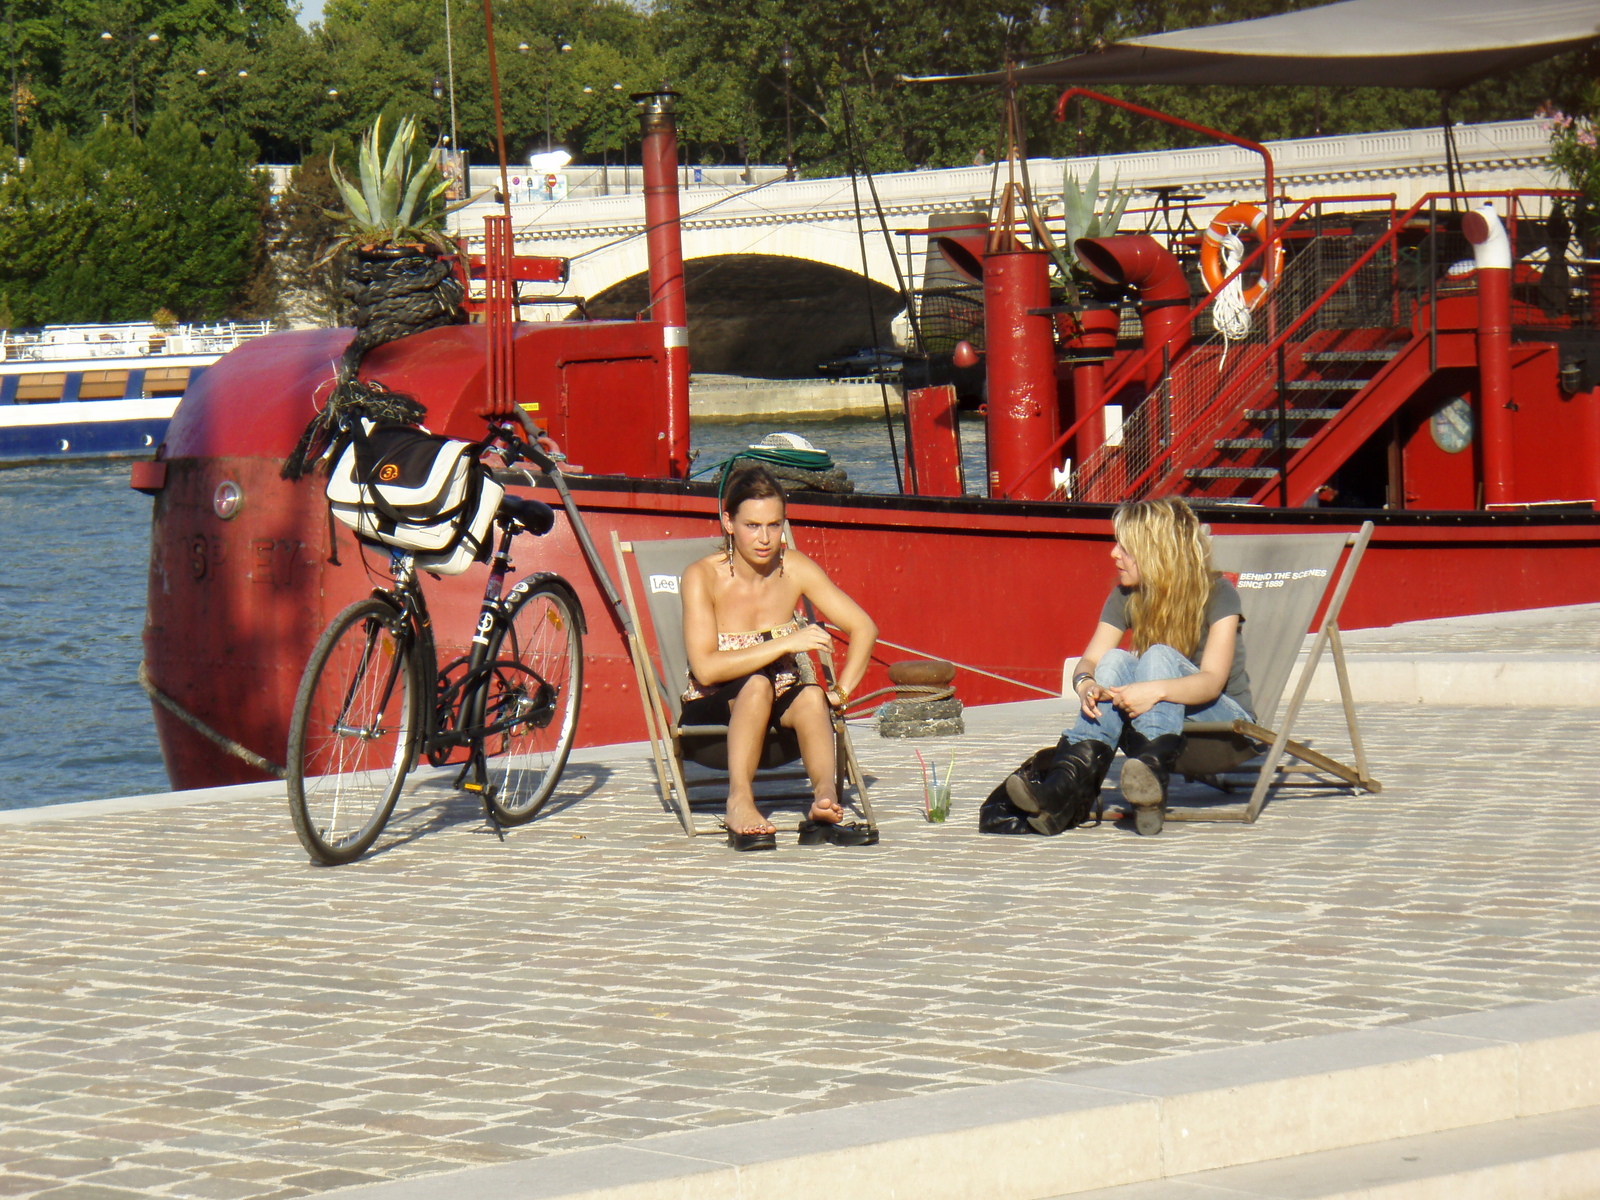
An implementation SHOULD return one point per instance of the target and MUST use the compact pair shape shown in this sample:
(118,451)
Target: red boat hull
(1012,587)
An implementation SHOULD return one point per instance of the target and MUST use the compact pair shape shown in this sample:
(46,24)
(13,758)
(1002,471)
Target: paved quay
(190,1009)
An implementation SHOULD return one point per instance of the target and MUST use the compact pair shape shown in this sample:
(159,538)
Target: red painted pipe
(1095,343)
(659,156)
(1491,251)
(1020,349)
(1138,261)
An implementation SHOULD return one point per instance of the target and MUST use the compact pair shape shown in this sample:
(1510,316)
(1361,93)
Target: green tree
(112,227)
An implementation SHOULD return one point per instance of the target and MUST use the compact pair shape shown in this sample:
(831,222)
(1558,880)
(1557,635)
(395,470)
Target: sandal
(837,833)
(751,841)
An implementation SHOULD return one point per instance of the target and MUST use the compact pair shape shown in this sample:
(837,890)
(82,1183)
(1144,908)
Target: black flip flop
(840,833)
(752,841)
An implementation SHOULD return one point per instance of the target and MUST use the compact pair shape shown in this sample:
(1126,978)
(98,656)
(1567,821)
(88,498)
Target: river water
(74,542)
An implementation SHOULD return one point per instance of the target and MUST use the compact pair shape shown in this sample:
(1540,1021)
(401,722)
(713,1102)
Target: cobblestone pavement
(189,1009)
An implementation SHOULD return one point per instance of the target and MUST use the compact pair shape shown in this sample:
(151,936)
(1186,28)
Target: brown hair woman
(743,629)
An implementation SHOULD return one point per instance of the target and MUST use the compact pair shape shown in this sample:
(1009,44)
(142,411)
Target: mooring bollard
(925,703)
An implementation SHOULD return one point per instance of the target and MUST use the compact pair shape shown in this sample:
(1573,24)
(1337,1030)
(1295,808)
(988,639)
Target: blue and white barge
(72,392)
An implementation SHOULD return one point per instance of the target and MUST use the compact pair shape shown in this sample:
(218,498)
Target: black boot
(998,815)
(1145,774)
(1066,795)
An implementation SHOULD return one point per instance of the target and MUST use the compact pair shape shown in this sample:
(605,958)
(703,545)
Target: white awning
(1444,44)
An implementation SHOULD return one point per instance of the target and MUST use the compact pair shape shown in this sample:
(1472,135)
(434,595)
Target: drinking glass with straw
(936,795)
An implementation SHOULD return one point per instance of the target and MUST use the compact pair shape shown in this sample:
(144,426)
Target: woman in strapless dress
(743,629)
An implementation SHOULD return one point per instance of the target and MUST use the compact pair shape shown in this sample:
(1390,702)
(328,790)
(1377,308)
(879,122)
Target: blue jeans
(1119,668)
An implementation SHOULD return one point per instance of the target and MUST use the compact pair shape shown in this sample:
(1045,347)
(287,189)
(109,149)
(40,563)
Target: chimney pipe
(1491,251)
(1020,353)
(659,158)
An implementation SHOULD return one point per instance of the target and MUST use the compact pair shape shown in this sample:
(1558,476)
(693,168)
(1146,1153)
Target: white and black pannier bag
(400,486)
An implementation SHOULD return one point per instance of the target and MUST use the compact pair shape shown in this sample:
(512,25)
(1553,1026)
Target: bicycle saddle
(533,515)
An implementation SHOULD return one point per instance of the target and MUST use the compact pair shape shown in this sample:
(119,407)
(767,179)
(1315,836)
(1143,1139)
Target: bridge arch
(769,315)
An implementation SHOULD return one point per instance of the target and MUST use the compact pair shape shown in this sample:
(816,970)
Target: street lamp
(16,117)
(786,60)
(605,148)
(133,73)
(524,48)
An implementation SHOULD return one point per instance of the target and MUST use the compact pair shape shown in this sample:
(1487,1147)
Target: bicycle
(373,698)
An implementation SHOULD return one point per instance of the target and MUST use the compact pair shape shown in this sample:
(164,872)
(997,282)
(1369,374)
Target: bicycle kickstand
(485,790)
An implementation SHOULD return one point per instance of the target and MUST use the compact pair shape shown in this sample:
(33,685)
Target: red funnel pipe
(1491,251)
(1020,349)
(1138,261)
(659,157)
(1095,343)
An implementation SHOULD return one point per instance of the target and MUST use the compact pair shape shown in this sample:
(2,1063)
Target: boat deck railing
(67,343)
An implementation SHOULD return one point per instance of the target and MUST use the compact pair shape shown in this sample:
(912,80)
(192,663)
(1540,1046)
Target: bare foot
(744,817)
(829,812)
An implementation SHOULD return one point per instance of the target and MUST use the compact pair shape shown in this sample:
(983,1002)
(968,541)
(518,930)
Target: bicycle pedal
(472,787)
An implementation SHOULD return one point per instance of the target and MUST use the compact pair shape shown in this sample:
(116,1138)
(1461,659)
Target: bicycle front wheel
(531,715)
(353,736)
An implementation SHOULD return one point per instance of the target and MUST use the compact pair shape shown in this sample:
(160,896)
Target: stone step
(1495,680)
(1148,1123)
(1327,385)
(1534,1158)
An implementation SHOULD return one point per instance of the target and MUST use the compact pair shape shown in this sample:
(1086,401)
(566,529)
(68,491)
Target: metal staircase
(1263,437)
(1269,417)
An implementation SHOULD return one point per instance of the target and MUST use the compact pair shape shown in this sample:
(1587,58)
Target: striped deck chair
(1282,579)
(691,760)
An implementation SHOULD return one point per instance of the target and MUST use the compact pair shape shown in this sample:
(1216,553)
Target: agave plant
(1079,208)
(401,193)
(1084,220)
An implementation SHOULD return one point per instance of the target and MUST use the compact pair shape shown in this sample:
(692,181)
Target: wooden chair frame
(666,734)
(1279,743)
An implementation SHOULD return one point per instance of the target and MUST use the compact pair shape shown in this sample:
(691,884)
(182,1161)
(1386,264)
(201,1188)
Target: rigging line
(866,278)
(888,244)
(883,641)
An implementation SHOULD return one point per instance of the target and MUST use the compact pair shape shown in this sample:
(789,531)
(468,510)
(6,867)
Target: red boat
(1399,357)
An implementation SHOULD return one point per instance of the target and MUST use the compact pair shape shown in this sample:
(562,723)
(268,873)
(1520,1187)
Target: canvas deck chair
(1282,579)
(691,760)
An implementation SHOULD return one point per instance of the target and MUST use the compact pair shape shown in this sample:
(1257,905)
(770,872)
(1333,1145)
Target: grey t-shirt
(1223,602)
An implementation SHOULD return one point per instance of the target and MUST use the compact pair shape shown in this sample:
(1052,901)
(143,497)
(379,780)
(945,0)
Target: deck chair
(691,761)
(1282,579)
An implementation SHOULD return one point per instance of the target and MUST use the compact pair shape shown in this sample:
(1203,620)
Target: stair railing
(1228,400)
(1134,368)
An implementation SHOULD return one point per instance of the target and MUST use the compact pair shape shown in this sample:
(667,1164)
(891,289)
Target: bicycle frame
(453,710)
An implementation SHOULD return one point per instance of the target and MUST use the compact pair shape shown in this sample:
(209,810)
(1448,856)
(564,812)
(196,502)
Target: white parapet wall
(816,218)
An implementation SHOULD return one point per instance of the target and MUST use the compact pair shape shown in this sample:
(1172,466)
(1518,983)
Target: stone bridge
(781,274)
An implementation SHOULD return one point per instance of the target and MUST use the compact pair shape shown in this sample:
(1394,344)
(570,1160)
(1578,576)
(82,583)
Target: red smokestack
(659,157)
(1137,260)
(1020,349)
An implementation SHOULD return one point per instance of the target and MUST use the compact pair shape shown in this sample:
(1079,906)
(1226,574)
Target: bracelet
(1080,677)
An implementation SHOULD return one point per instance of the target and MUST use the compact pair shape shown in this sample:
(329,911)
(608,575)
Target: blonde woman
(1187,663)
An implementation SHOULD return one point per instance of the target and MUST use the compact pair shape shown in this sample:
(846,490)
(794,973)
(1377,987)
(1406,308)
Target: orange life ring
(1211,269)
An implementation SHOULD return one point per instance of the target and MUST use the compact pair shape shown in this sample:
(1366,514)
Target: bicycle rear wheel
(353,736)
(535,685)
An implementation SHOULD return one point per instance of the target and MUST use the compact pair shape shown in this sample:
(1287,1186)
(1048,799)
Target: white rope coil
(1230,313)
